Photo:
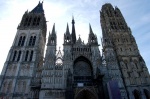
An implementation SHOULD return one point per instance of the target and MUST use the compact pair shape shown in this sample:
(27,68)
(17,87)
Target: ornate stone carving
(82,68)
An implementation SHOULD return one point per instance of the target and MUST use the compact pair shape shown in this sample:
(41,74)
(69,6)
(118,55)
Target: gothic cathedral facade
(80,71)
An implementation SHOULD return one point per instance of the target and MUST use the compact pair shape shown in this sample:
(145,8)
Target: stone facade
(80,71)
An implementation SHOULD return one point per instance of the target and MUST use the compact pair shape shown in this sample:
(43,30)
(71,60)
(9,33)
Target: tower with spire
(78,71)
(25,56)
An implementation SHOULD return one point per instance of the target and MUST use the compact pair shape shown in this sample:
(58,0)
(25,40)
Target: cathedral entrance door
(85,94)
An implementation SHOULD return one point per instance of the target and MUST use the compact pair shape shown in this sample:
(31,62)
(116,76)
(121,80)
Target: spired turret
(73,31)
(67,36)
(49,72)
(52,39)
(92,40)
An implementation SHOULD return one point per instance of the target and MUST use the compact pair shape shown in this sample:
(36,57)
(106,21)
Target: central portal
(82,71)
(86,94)
(82,84)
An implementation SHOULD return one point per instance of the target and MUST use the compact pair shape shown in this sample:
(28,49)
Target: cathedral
(80,70)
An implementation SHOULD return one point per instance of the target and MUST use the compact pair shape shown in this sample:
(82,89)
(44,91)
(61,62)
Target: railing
(80,81)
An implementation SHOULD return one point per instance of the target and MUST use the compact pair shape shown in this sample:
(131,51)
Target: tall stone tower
(79,71)
(25,55)
(118,40)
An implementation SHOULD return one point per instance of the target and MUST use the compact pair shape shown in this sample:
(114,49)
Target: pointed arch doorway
(86,94)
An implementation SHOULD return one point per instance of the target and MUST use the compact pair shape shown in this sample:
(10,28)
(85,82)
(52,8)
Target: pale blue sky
(135,12)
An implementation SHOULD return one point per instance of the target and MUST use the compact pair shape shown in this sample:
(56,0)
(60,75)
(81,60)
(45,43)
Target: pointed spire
(73,31)
(49,38)
(53,30)
(52,37)
(91,31)
(79,39)
(73,22)
(42,1)
(67,29)
(26,11)
(92,37)
(38,8)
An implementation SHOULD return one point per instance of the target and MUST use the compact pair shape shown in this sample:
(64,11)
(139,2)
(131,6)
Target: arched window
(34,21)
(82,67)
(23,40)
(52,40)
(19,55)
(28,24)
(20,40)
(30,41)
(34,39)
(136,94)
(126,63)
(25,22)
(38,21)
(26,56)
(147,94)
(14,56)
(31,55)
